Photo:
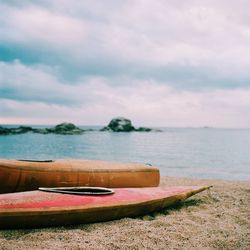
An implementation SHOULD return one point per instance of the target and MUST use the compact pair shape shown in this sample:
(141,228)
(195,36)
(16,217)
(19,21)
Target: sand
(215,219)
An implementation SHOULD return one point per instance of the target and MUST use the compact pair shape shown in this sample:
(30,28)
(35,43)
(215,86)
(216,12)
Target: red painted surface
(40,199)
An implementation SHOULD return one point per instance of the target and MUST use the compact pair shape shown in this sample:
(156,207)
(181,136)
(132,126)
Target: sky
(172,63)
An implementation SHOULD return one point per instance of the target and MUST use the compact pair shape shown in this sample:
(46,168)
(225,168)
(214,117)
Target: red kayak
(44,209)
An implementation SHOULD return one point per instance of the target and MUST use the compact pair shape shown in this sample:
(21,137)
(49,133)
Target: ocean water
(191,152)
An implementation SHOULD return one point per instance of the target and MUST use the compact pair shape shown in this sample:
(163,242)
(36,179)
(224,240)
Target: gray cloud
(83,54)
(130,36)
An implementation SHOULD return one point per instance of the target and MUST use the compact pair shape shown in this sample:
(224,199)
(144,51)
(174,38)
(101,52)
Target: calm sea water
(199,153)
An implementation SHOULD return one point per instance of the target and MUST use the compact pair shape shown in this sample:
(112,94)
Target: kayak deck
(16,176)
(42,209)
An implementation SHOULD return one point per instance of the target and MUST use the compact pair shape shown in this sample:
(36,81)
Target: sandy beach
(214,219)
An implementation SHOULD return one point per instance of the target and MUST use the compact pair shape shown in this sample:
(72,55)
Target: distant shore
(215,219)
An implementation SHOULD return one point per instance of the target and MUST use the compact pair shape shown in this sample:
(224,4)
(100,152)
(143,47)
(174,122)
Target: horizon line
(100,125)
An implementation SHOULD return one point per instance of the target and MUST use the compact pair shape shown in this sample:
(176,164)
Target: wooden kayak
(43,209)
(20,175)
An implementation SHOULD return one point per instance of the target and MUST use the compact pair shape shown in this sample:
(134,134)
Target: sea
(209,153)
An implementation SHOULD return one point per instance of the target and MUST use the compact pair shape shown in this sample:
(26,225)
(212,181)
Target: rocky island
(62,129)
(119,124)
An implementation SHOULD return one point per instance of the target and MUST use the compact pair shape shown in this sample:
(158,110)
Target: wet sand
(214,219)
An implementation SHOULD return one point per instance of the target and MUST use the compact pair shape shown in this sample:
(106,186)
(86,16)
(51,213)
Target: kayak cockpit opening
(37,160)
(79,190)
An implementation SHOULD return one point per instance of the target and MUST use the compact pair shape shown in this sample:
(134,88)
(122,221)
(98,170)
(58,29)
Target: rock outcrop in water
(62,129)
(121,124)
(67,129)
(15,131)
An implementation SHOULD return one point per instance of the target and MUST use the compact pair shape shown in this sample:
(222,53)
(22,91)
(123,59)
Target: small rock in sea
(22,129)
(66,129)
(4,131)
(43,131)
(143,129)
(14,131)
(119,124)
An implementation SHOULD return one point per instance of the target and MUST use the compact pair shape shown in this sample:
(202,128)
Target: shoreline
(214,219)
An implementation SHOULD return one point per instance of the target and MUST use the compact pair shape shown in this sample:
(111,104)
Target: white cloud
(37,25)
(209,34)
(96,100)
(210,37)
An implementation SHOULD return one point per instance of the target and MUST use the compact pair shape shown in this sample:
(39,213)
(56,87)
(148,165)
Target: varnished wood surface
(24,175)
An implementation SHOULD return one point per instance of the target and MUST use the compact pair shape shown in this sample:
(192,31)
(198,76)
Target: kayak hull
(16,176)
(41,209)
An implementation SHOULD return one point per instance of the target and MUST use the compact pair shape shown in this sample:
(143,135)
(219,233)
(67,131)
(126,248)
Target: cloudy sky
(159,63)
